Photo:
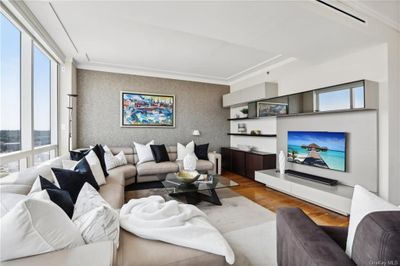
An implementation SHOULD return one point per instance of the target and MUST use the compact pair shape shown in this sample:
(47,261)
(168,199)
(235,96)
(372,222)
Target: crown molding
(363,8)
(263,70)
(31,25)
(147,72)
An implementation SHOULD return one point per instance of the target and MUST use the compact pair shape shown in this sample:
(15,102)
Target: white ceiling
(209,41)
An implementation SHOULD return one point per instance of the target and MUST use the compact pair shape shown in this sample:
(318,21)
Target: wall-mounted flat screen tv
(325,150)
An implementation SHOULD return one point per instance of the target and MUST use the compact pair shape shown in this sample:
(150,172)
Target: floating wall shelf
(250,135)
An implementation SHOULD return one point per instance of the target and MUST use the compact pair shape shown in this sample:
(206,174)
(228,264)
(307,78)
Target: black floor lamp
(70,109)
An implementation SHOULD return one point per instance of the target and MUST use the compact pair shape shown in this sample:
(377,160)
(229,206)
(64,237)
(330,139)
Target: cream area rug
(249,228)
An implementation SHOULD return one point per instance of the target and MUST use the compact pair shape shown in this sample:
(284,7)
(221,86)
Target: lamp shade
(196,132)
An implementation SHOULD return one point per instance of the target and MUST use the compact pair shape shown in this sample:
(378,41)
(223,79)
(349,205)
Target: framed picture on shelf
(139,109)
(271,109)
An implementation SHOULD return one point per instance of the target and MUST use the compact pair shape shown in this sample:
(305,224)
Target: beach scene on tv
(319,149)
(147,110)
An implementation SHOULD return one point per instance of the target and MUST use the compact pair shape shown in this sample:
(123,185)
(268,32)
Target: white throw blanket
(176,223)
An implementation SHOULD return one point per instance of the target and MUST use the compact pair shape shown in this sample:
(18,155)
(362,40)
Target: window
(334,100)
(358,97)
(28,99)
(341,97)
(41,98)
(10,91)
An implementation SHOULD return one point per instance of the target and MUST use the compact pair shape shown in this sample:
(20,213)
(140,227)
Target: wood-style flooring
(272,200)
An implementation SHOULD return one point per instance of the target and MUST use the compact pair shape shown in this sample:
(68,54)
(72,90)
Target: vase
(189,162)
(282,162)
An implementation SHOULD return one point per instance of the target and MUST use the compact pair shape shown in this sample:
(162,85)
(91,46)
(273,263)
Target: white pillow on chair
(363,203)
(144,152)
(34,227)
(182,150)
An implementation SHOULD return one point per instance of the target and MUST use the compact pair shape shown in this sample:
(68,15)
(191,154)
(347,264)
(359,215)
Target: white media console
(336,198)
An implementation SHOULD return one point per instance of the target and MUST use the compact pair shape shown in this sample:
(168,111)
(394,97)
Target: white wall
(67,85)
(378,63)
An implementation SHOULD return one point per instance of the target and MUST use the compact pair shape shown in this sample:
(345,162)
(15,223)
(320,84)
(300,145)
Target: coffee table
(197,191)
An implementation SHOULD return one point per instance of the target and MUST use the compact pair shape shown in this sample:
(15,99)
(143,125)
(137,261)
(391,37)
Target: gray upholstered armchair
(301,242)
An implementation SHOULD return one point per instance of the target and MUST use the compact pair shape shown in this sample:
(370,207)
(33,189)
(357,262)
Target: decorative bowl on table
(187,176)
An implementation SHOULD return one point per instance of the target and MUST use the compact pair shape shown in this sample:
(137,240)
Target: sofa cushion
(82,255)
(124,171)
(113,194)
(203,165)
(181,256)
(153,168)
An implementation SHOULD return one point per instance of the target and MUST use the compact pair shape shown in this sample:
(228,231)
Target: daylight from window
(41,98)
(334,100)
(10,91)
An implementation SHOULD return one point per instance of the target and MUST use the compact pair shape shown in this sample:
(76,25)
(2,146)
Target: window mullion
(26,95)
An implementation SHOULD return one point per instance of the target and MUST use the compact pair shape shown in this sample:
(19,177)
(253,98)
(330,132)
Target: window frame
(25,156)
(349,87)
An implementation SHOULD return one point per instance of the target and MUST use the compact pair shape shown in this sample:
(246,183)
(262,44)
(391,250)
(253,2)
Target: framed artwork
(139,109)
(270,108)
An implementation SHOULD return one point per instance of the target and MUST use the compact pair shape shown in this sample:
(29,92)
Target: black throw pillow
(63,199)
(73,180)
(201,151)
(160,153)
(58,196)
(46,184)
(77,155)
(99,150)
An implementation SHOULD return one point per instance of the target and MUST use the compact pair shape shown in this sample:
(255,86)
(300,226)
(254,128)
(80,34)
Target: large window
(10,91)
(341,98)
(28,99)
(41,98)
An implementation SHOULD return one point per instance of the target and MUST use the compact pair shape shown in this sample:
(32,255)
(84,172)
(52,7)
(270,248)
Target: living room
(220,133)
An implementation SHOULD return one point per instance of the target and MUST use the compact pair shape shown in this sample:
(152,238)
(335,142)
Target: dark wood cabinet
(239,162)
(246,163)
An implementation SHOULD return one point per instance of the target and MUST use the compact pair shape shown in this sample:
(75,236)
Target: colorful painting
(147,110)
(319,149)
(271,109)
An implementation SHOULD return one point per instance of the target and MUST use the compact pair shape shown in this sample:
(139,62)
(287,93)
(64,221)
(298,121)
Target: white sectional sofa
(132,250)
(150,171)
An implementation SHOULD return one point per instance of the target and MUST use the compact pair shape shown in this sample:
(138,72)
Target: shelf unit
(250,135)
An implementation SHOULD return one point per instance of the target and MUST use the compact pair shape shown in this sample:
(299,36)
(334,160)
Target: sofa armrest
(96,254)
(301,242)
(216,160)
(378,235)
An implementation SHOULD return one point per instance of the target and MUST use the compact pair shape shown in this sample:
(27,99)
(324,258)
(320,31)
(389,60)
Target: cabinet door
(226,155)
(254,162)
(238,162)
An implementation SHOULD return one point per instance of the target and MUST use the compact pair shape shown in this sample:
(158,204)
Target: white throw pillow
(34,227)
(114,161)
(94,217)
(144,152)
(9,200)
(363,203)
(94,164)
(182,150)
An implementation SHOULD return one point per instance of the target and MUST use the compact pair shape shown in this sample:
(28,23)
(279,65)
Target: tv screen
(319,149)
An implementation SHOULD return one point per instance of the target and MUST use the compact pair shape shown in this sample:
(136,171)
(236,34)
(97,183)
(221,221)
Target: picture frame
(271,109)
(142,109)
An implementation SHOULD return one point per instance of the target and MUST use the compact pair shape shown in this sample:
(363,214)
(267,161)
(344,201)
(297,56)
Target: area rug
(249,228)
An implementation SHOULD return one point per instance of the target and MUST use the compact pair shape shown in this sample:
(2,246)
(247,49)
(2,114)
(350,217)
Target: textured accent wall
(198,106)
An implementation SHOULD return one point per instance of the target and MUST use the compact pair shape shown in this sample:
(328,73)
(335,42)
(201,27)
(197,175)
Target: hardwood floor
(272,200)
